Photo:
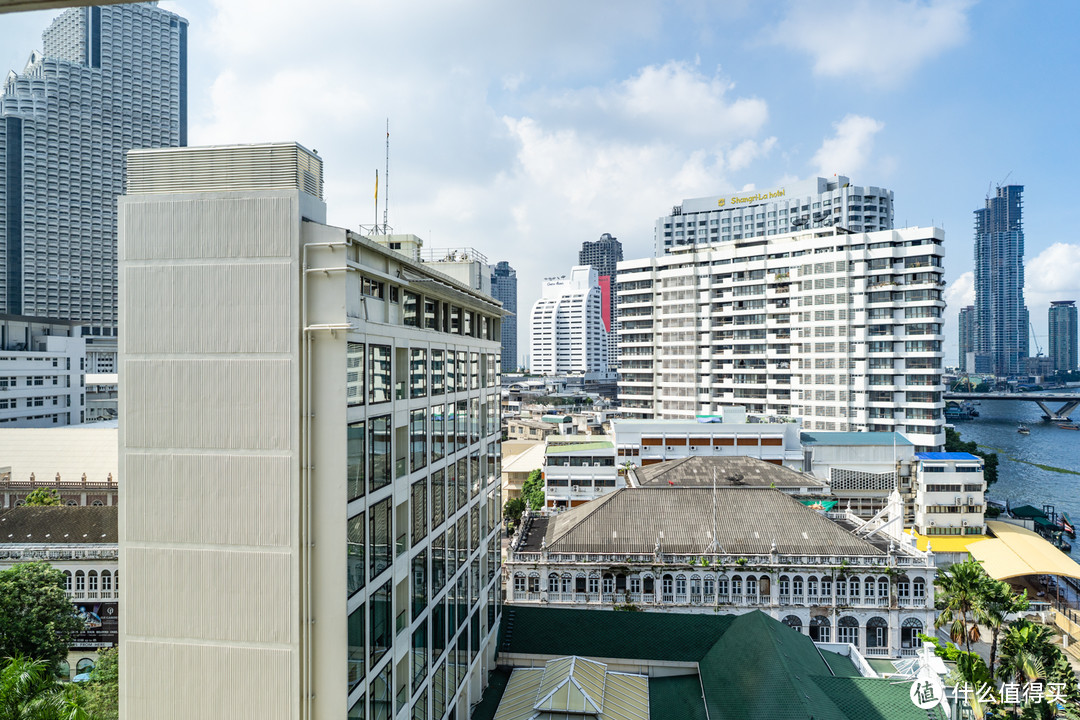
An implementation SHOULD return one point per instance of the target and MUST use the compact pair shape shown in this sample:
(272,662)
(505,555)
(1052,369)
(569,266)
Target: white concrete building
(843,330)
(309,431)
(820,202)
(108,79)
(577,472)
(41,373)
(567,329)
(949,494)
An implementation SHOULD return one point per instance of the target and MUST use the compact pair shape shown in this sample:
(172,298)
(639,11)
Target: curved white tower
(567,329)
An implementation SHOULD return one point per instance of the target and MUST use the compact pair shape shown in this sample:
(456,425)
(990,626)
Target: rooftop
(947,456)
(749,520)
(854,438)
(579,447)
(702,471)
(59,524)
(66,451)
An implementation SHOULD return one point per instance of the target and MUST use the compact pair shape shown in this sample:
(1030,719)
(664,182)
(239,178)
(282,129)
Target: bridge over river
(1070,401)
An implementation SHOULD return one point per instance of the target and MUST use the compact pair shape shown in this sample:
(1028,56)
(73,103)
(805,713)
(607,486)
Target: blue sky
(524,129)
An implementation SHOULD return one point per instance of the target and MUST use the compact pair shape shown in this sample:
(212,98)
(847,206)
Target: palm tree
(993,605)
(30,691)
(960,588)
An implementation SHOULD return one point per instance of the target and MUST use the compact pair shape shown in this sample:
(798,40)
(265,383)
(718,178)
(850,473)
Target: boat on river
(1068,426)
(1023,429)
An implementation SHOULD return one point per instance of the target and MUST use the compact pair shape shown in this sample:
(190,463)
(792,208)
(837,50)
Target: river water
(1019,481)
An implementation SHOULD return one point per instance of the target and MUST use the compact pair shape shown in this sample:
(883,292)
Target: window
(438,367)
(92,581)
(354,540)
(373,288)
(474,371)
(419,656)
(356,460)
(381,688)
(106,581)
(438,433)
(379,450)
(451,371)
(419,583)
(417,372)
(419,510)
(80,581)
(379,372)
(847,630)
(411,310)
(354,377)
(417,439)
(381,539)
(357,624)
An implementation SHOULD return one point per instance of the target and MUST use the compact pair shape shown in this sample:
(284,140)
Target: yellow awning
(1015,551)
(946,543)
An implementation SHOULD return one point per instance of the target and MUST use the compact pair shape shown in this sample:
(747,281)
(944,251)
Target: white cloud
(849,149)
(961,292)
(1053,274)
(876,42)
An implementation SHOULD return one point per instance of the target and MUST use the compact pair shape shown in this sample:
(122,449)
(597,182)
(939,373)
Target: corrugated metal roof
(520,694)
(946,456)
(59,524)
(736,470)
(749,520)
(854,438)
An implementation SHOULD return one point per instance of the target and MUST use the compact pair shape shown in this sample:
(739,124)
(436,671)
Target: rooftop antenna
(714,546)
(376,201)
(386,196)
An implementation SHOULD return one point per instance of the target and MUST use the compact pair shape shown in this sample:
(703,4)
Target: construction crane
(1035,339)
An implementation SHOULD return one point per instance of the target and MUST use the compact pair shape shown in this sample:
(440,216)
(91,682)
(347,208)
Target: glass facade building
(504,289)
(1001,317)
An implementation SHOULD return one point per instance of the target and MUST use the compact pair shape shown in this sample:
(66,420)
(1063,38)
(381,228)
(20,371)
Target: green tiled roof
(676,698)
(555,450)
(875,699)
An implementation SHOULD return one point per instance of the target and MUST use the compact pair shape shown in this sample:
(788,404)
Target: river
(1019,479)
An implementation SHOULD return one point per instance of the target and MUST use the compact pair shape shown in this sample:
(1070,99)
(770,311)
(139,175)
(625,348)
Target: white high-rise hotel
(567,325)
(109,79)
(842,329)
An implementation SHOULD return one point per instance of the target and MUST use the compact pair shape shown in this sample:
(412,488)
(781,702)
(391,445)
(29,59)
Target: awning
(1015,551)
(821,504)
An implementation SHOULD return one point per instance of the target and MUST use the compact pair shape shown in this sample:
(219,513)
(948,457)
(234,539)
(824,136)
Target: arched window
(97,503)
(797,586)
(751,586)
(620,583)
(811,587)
(67,580)
(883,587)
(909,632)
(918,588)
(84,666)
(710,586)
(91,581)
(534,582)
(666,583)
(519,583)
(680,585)
(116,581)
(72,502)
(609,583)
(553,583)
(80,581)
(820,629)
(106,581)
(794,622)
(736,585)
(847,630)
(826,587)
(695,585)
(868,587)
(903,588)
(853,587)
(722,587)
(877,633)
(594,583)
(635,584)
(568,582)
(649,584)
(784,586)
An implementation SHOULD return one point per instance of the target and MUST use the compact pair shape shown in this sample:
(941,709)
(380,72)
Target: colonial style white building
(567,329)
(841,329)
(729,550)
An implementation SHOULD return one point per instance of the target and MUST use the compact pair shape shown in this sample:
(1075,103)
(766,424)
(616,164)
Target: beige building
(309,433)
(517,466)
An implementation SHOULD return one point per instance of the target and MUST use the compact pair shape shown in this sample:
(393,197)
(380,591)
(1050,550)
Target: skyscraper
(967,337)
(310,472)
(604,255)
(504,289)
(109,79)
(567,330)
(1063,335)
(1001,319)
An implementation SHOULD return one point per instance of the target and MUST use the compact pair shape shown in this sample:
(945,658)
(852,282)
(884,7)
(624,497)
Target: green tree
(970,668)
(532,490)
(1029,652)
(42,497)
(102,693)
(953,443)
(993,604)
(29,690)
(960,587)
(513,510)
(36,618)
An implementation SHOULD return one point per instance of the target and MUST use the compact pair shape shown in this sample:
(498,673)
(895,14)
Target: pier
(1070,401)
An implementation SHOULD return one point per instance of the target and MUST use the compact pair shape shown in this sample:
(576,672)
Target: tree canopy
(29,689)
(533,490)
(953,443)
(43,496)
(102,693)
(37,620)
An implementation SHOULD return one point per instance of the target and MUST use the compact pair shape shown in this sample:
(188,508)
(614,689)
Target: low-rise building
(82,543)
(575,473)
(533,429)
(862,468)
(731,550)
(949,494)
(517,466)
(735,471)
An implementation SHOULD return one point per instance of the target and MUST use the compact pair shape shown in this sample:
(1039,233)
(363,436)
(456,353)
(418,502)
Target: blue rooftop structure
(946,456)
(854,438)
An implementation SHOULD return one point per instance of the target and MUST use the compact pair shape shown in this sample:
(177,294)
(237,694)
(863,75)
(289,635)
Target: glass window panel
(462,371)
(474,371)
(438,691)
(474,420)
(455,319)
(438,433)
(451,371)
(438,629)
(438,498)
(381,699)
(430,319)
(419,583)
(357,651)
(382,623)
(417,372)
(451,551)
(419,510)
(356,712)
(419,708)
(462,483)
(419,655)
(356,460)
(418,439)
(380,536)
(438,566)
(379,385)
(355,543)
(438,369)
(354,373)
(379,449)
(461,425)
(411,310)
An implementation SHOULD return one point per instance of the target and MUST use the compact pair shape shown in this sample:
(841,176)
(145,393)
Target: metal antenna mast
(386,180)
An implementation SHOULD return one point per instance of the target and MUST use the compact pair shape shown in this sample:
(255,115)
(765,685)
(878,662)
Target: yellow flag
(376,184)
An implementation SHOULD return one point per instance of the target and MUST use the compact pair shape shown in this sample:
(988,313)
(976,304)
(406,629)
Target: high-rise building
(967,337)
(821,202)
(1001,318)
(309,426)
(605,254)
(108,79)
(504,289)
(841,329)
(567,328)
(1063,335)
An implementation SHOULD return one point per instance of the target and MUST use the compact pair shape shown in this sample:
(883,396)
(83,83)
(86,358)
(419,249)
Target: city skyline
(544,152)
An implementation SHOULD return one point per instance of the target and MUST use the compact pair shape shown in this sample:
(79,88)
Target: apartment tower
(1001,318)
(967,339)
(841,329)
(309,427)
(1063,335)
(108,79)
(567,328)
(504,289)
(604,255)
